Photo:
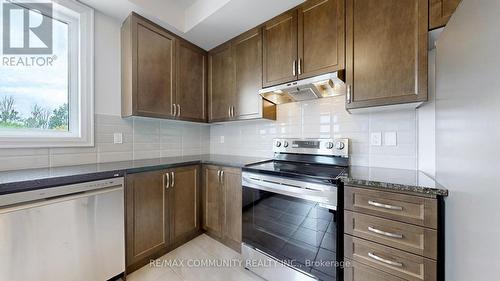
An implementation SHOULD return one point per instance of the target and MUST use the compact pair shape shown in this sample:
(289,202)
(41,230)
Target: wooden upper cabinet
(321,37)
(440,12)
(247,55)
(147,216)
(280,49)
(148,74)
(221,96)
(386,52)
(191,82)
(185,199)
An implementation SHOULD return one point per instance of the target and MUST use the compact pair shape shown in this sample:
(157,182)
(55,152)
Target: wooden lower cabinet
(231,202)
(379,246)
(222,204)
(212,200)
(146,215)
(162,212)
(184,198)
(359,272)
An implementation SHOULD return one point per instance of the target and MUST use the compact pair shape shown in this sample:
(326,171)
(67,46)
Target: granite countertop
(32,179)
(398,180)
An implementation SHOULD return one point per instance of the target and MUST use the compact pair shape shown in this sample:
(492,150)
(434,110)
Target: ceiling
(207,23)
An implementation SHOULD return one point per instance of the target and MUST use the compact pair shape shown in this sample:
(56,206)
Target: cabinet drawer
(361,272)
(406,237)
(404,265)
(400,207)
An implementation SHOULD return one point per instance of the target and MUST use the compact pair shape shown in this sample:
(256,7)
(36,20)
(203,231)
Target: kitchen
(237,140)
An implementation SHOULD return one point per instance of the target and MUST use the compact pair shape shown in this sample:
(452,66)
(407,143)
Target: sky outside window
(39,94)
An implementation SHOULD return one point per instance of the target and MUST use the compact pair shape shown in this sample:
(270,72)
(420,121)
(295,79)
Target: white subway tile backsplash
(142,138)
(324,118)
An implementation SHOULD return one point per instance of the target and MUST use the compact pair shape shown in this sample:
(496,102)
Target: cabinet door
(231,182)
(441,11)
(386,52)
(191,82)
(184,200)
(221,83)
(321,37)
(212,200)
(147,218)
(247,54)
(155,71)
(280,49)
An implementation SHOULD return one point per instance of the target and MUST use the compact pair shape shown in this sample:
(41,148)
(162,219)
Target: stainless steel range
(290,210)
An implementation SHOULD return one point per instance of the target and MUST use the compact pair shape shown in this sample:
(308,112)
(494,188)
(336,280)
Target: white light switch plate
(390,139)
(376,139)
(117,138)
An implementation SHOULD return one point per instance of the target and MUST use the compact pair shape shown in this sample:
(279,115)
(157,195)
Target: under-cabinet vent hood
(322,86)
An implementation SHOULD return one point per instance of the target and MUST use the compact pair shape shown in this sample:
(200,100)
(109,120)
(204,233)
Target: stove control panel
(330,147)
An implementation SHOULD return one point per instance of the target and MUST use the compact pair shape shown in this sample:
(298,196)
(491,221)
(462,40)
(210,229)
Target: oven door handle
(325,198)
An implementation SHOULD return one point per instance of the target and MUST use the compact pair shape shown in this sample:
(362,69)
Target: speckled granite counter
(398,180)
(32,179)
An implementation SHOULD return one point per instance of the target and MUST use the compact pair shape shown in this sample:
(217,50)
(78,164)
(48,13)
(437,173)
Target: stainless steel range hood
(322,86)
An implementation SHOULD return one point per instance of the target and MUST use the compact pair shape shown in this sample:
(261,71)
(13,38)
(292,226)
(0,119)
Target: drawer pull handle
(384,233)
(385,206)
(386,261)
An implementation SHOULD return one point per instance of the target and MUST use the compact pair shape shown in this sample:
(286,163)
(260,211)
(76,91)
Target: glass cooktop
(284,168)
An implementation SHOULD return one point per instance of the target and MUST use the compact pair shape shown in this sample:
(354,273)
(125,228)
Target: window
(46,74)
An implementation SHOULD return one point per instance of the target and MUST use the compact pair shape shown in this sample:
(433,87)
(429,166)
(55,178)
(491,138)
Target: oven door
(292,222)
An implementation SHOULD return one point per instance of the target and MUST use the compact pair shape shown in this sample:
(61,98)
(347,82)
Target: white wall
(427,124)
(107,65)
(468,139)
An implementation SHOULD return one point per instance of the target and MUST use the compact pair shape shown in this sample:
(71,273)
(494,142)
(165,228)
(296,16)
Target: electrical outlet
(376,139)
(117,138)
(390,139)
(221,139)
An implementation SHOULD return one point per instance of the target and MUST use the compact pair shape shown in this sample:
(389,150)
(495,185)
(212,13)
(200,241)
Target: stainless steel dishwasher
(66,233)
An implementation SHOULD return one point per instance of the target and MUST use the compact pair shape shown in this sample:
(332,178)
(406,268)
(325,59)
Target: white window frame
(80,20)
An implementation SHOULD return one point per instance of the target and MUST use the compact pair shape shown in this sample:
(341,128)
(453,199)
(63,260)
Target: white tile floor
(201,248)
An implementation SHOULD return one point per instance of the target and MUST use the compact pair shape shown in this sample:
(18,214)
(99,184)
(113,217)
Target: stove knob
(278,144)
(339,145)
(329,145)
(285,144)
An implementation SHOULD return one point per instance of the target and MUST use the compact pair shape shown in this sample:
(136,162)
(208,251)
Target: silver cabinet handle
(166,182)
(294,67)
(222,176)
(385,206)
(386,261)
(384,233)
(232,111)
(229,111)
(179,110)
(218,175)
(175,110)
(300,66)
(173,178)
(348,95)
